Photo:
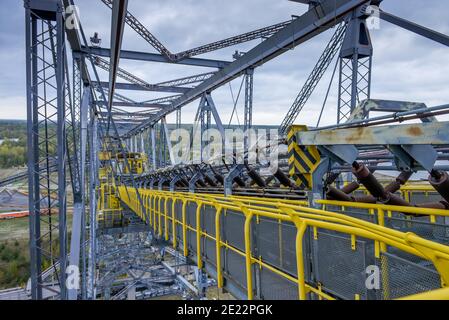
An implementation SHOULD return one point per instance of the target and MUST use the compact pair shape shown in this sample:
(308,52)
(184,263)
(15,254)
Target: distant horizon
(170,123)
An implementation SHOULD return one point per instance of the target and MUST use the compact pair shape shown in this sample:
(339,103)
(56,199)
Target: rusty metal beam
(408,134)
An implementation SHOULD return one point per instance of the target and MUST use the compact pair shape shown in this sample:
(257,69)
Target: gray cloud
(406,67)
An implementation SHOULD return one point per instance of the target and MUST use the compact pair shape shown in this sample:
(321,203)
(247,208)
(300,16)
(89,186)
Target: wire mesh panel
(288,249)
(208,249)
(169,214)
(276,287)
(266,243)
(191,242)
(191,214)
(179,236)
(208,219)
(234,268)
(233,229)
(191,222)
(162,214)
(359,213)
(275,243)
(178,213)
(401,277)
(148,204)
(436,231)
(178,210)
(424,197)
(156,210)
(338,266)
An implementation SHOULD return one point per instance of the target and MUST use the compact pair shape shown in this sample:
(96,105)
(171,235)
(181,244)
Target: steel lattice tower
(355,68)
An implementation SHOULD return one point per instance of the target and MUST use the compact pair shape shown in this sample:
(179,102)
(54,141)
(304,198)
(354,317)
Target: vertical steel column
(201,118)
(148,143)
(93,169)
(138,137)
(61,152)
(80,143)
(142,144)
(167,140)
(355,66)
(47,144)
(178,118)
(153,147)
(33,152)
(212,109)
(248,118)
(78,223)
(84,118)
(208,121)
(162,156)
(207,110)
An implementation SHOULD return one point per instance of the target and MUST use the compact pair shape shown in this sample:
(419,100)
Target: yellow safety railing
(294,212)
(440,294)
(386,211)
(408,191)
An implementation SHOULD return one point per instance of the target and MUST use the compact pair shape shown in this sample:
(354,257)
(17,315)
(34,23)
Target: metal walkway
(278,249)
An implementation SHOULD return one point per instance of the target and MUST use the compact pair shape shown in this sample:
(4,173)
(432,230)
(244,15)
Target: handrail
(410,210)
(440,294)
(290,211)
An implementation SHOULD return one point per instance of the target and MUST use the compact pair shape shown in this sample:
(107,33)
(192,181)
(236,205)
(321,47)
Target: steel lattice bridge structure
(319,226)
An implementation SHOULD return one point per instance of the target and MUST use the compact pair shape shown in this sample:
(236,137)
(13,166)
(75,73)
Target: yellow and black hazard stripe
(302,160)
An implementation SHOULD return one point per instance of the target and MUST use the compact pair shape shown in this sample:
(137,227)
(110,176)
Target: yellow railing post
(218,246)
(184,228)
(301,229)
(173,224)
(248,258)
(198,235)
(160,214)
(151,204)
(381,222)
(166,220)
(156,212)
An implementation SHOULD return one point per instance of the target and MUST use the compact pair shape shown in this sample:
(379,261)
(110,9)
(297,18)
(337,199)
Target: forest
(13,141)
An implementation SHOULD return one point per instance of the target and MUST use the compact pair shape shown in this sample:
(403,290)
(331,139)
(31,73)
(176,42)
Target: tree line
(13,150)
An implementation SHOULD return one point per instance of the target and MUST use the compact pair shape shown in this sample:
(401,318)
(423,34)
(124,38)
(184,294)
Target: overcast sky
(406,66)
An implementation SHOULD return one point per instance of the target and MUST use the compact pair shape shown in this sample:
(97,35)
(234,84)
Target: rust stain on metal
(359,132)
(415,131)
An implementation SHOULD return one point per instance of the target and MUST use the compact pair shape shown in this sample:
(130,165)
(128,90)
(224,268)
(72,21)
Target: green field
(14,263)
(14,229)
(14,250)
